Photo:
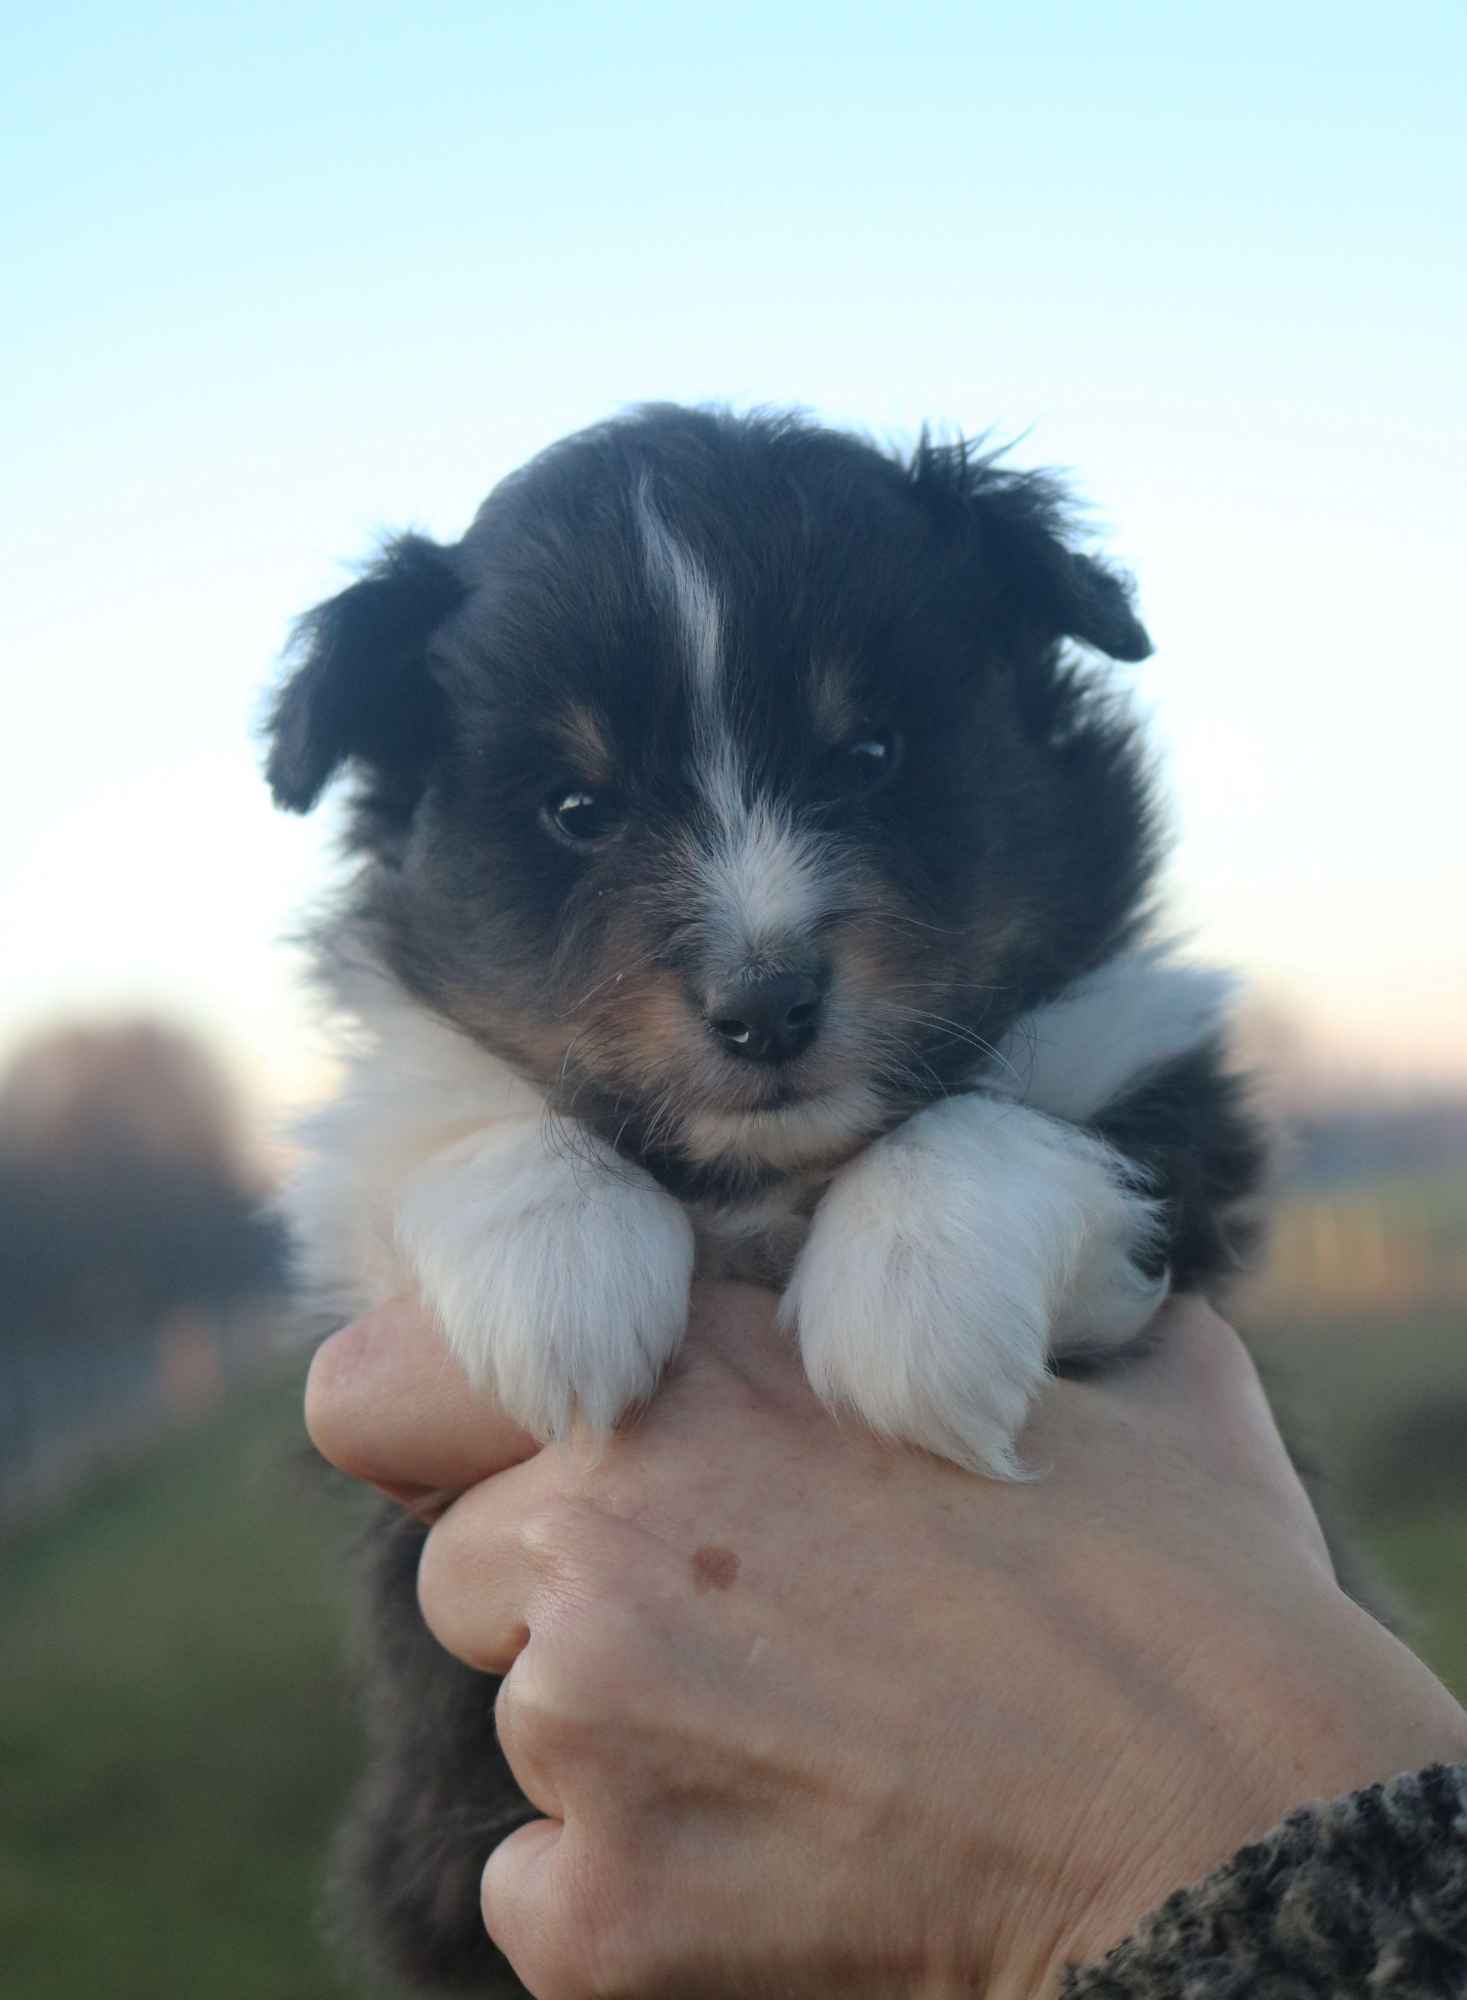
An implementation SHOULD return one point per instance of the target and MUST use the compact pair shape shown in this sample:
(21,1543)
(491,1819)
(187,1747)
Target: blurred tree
(126,1188)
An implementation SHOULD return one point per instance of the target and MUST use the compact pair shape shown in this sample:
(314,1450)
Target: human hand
(808,1713)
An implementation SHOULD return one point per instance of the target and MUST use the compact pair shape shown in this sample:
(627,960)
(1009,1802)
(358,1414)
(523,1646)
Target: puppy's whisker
(958,1033)
(618,973)
(837,913)
(902,1076)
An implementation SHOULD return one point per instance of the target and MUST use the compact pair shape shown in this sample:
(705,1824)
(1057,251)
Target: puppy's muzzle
(769,1018)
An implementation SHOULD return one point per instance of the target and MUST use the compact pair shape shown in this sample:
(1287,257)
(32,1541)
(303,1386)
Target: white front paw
(902,1323)
(560,1280)
(942,1263)
(1113,1295)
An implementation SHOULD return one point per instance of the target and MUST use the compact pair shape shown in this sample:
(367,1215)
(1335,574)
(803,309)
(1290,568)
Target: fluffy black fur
(436,1799)
(1014,850)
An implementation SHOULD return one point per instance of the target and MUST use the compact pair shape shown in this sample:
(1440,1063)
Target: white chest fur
(928,1281)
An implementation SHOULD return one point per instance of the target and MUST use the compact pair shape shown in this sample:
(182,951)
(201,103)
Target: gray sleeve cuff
(1365,1895)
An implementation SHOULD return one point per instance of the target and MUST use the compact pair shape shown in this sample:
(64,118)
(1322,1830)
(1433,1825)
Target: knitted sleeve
(1364,1896)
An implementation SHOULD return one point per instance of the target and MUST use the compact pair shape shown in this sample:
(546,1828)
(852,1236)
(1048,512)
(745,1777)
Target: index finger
(387,1402)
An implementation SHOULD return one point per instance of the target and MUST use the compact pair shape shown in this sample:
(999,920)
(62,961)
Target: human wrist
(1362,1894)
(1328,1708)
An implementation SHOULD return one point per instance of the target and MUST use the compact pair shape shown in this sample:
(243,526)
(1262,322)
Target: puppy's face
(724,779)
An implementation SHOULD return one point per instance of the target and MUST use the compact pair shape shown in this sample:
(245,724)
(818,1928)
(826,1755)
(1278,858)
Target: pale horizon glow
(281,285)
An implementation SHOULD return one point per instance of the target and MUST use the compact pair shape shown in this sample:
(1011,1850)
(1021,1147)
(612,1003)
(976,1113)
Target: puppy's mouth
(790,1127)
(772,1091)
(784,1096)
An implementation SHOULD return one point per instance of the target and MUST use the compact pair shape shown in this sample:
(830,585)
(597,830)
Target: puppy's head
(730,777)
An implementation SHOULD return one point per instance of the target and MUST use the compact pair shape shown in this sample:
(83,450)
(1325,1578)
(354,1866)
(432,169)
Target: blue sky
(282,278)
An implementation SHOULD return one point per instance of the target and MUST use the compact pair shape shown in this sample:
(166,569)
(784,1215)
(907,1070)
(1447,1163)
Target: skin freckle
(714,1569)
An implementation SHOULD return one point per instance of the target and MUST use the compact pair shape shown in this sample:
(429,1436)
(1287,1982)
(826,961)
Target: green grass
(1434,1201)
(1425,1559)
(176,1735)
(1346,1388)
(1348,1380)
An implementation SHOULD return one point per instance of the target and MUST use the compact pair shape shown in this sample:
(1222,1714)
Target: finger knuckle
(556,1531)
(531,1719)
(444,1569)
(546,1710)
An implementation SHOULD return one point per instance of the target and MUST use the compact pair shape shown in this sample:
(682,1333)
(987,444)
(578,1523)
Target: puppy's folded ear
(1022,525)
(363,689)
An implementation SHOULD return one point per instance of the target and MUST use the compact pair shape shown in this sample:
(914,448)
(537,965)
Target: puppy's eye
(583,818)
(867,760)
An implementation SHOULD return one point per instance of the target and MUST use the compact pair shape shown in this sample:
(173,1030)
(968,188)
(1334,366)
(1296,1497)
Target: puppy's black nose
(766,1020)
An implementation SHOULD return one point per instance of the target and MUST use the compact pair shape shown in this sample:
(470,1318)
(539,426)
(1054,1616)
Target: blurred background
(283,279)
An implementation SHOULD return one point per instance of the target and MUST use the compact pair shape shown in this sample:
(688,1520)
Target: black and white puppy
(754,880)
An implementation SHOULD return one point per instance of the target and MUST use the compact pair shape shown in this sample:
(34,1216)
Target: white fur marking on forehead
(762,880)
(677,576)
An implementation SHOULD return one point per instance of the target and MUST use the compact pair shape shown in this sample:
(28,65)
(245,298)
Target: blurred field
(1360,1326)
(1378,1405)
(175,1730)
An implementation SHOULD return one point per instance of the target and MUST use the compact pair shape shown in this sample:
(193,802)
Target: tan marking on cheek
(644,1032)
(534,1046)
(660,1010)
(880,958)
(863,960)
(911,970)
(889,977)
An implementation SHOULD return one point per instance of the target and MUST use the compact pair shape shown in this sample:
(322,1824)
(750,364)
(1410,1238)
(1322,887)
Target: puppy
(753,880)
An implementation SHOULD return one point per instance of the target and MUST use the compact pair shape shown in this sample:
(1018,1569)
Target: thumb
(1195,1381)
